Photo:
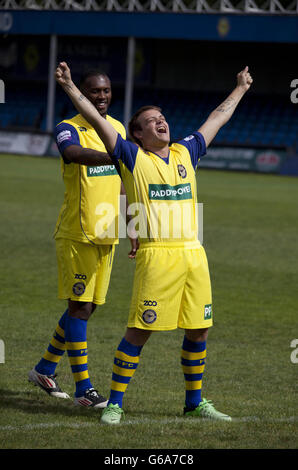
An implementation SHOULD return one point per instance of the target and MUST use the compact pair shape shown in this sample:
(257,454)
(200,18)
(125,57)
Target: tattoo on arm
(81,97)
(226,106)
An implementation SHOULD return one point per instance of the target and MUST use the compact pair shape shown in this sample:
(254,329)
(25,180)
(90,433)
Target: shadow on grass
(33,403)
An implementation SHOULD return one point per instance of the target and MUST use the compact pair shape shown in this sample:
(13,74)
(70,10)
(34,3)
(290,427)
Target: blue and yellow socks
(48,363)
(70,335)
(193,356)
(76,345)
(192,360)
(125,364)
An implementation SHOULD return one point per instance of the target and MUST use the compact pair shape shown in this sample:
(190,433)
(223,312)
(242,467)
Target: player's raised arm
(104,129)
(223,113)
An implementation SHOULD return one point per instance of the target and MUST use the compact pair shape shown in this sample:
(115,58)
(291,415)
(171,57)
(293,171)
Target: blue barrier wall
(253,28)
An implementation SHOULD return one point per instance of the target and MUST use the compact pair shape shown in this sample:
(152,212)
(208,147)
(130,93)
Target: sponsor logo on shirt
(103,170)
(63,135)
(162,192)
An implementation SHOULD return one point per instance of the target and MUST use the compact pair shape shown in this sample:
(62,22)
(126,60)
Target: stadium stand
(265,119)
(259,121)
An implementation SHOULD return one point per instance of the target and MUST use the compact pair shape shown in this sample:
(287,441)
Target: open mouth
(161,130)
(101,104)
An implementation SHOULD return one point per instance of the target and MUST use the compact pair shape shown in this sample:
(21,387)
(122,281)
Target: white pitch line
(32,427)
(194,421)
(134,421)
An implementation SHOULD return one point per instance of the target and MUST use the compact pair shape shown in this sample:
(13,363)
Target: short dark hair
(134,125)
(92,73)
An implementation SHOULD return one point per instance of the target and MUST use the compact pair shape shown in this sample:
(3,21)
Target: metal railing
(175,6)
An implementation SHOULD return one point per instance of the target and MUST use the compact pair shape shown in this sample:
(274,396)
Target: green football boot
(111,414)
(206,410)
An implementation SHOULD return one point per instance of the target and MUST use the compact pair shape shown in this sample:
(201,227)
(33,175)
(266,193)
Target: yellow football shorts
(84,270)
(171,288)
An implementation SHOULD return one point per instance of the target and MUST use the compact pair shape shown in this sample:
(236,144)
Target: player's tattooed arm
(226,106)
(69,86)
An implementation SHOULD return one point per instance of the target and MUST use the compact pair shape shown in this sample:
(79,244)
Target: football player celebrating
(84,251)
(172,283)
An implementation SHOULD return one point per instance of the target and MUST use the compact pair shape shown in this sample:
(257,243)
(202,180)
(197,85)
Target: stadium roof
(269,7)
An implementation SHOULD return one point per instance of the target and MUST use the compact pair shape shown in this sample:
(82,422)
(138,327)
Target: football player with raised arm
(171,284)
(86,235)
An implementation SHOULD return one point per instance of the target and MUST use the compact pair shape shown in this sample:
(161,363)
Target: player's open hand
(244,79)
(63,75)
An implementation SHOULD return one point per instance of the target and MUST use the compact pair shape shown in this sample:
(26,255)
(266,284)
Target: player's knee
(137,336)
(81,310)
(198,335)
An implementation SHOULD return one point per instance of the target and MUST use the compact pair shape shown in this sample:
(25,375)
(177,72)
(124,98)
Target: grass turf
(250,235)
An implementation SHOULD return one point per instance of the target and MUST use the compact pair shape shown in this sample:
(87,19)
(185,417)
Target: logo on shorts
(208,312)
(150,303)
(149,316)
(182,171)
(78,288)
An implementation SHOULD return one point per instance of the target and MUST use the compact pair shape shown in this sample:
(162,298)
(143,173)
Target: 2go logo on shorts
(150,303)
(79,287)
(149,315)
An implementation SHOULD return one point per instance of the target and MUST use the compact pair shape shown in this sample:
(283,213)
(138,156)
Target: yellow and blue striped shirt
(162,192)
(91,192)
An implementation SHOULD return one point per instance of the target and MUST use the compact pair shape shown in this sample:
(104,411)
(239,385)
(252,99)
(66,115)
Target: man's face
(154,129)
(98,90)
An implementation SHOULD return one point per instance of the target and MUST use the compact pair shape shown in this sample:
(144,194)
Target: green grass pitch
(250,236)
